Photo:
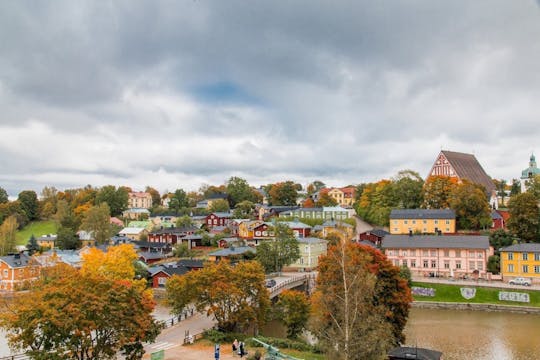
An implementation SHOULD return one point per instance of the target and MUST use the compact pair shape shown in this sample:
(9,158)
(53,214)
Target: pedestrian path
(164,345)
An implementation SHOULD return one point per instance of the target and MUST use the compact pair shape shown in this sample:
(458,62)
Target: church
(464,166)
(529,173)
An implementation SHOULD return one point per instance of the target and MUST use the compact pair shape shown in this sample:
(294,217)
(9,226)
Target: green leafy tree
(183,251)
(178,201)
(524,221)
(500,187)
(29,204)
(184,221)
(67,239)
(32,245)
(69,315)
(65,216)
(282,251)
(471,205)
(234,295)
(8,229)
(533,186)
(315,186)
(407,187)
(293,309)
(515,187)
(4,198)
(116,199)
(325,200)
(376,202)
(244,209)
(13,208)
(219,205)
(499,239)
(494,264)
(96,221)
(238,190)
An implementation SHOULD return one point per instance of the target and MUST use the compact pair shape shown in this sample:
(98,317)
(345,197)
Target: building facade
(423,221)
(446,256)
(528,173)
(139,200)
(521,260)
(310,250)
(324,213)
(16,269)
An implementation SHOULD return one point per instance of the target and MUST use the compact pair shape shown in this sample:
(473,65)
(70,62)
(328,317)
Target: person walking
(241,351)
(234,346)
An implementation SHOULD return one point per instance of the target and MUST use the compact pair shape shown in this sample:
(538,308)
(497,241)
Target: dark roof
(495,215)
(422,214)
(404,352)
(526,247)
(173,270)
(367,243)
(152,255)
(16,260)
(176,230)
(434,241)
(216,196)
(147,244)
(467,167)
(379,232)
(191,263)
(233,251)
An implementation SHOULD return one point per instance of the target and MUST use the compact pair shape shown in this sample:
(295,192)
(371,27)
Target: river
(463,335)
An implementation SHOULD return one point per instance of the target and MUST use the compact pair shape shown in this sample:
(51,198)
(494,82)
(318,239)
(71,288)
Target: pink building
(446,256)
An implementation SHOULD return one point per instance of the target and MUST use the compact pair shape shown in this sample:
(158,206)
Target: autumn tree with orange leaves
(361,303)
(69,314)
(437,191)
(235,296)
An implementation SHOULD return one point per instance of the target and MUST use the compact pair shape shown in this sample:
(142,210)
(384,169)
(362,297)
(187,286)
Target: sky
(177,94)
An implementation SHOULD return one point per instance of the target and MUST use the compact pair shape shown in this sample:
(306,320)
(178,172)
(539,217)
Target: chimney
(410,233)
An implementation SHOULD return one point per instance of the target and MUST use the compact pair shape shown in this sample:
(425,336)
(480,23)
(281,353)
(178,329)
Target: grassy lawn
(38,228)
(484,295)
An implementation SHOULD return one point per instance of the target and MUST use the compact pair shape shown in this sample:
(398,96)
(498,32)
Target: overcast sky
(181,93)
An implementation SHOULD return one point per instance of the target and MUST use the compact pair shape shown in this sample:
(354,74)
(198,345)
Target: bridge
(306,280)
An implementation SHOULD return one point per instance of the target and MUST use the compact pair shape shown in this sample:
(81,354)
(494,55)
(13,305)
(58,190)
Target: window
(414,221)
(433,263)
(446,264)
(425,253)
(433,253)
(162,280)
(480,265)
(404,253)
(413,263)
(536,269)
(395,222)
(480,254)
(458,264)
(425,263)
(446,253)
(458,253)
(425,221)
(525,268)
(510,256)
(395,229)
(436,222)
(471,265)
(6,274)
(537,257)
(525,256)
(510,268)
(405,222)
(404,262)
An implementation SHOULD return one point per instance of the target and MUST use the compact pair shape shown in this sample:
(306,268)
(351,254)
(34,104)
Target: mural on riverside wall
(422,291)
(514,296)
(468,293)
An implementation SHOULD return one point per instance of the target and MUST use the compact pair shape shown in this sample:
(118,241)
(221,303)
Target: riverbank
(475,297)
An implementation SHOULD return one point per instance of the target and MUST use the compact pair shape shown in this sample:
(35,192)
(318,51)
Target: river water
(463,335)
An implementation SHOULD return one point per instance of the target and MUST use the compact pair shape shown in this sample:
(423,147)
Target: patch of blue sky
(224,92)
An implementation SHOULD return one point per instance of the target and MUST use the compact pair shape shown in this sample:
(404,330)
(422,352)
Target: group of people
(238,348)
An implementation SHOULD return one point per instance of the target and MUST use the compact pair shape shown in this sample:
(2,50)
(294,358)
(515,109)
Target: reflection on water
(478,335)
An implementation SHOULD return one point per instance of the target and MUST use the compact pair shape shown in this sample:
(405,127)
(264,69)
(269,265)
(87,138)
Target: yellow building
(521,260)
(424,221)
(343,196)
(310,250)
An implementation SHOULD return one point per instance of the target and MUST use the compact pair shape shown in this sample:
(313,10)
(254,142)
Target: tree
(65,216)
(13,208)
(499,239)
(32,245)
(283,193)
(471,205)
(315,186)
(326,200)
(97,221)
(524,221)
(4,198)
(219,205)
(183,251)
(244,209)
(282,251)
(156,197)
(293,308)
(376,202)
(8,229)
(407,187)
(49,198)
(515,187)
(500,187)
(117,263)
(533,186)
(494,264)
(347,318)
(238,190)
(234,295)
(437,190)
(178,200)
(67,239)
(70,315)
(308,203)
(29,204)
(116,199)
(184,221)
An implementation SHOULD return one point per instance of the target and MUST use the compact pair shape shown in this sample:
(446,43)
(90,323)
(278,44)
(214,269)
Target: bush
(221,337)
(285,344)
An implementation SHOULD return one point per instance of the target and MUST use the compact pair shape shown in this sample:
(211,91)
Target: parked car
(520,281)
(270,283)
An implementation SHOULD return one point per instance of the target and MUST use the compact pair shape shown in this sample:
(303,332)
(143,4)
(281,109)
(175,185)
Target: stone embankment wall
(472,306)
